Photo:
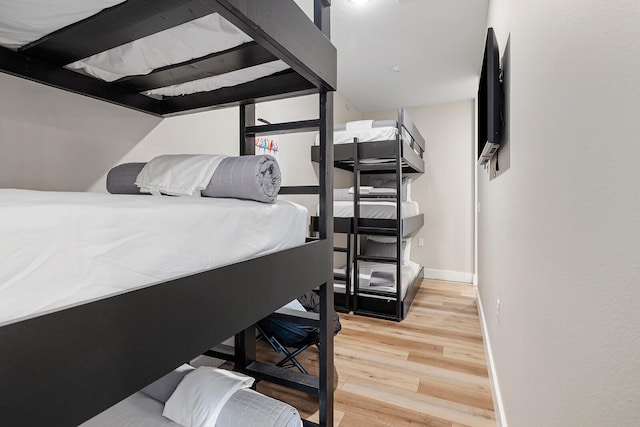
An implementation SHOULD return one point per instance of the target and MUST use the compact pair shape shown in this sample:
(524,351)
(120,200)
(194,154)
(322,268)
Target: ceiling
(436,46)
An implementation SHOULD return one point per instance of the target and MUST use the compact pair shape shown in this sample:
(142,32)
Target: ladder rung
(283,128)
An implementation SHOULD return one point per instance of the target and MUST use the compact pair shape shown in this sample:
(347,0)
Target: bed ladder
(358,231)
(244,354)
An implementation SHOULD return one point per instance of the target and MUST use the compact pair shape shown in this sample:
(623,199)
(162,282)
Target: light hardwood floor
(428,370)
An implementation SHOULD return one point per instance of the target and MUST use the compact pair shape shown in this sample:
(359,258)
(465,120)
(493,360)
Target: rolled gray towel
(244,177)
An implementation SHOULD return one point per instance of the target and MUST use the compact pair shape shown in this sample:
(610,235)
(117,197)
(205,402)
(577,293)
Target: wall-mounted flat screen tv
(490,101)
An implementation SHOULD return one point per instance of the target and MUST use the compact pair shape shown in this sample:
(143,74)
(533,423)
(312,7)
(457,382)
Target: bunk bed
(63,366)
(388,151)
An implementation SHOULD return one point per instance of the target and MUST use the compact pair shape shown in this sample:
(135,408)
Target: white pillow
(200,396)
(178,174)
(162,389)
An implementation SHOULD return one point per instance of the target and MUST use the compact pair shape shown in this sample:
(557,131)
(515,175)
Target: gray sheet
(244,177)
(121,179)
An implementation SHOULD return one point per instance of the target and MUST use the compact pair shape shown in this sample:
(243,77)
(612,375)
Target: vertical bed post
(247,119)
(326,232)
(322,21)
(399,219)
(245,341)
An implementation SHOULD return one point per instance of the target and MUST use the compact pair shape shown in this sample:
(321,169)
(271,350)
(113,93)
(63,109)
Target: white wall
(558,233)
(55,140)
(445,190)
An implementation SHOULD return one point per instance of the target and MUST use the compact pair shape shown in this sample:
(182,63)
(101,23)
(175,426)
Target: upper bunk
(380,145)
(169,57)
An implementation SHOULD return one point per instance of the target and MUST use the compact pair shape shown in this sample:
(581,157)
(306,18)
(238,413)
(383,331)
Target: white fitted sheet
(376,209)
(26,21)
(60,249)
(384,133)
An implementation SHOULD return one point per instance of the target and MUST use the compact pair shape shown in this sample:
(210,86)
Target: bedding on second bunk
(381,209)
(239,406)
(23,22)
(366,131)
(62,248)
(245,177)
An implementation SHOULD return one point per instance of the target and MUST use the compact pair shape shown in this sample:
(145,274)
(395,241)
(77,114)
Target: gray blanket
(245,177)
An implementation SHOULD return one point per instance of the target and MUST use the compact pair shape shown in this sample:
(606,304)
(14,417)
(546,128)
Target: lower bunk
(376,293)
(203,396)
(119,312)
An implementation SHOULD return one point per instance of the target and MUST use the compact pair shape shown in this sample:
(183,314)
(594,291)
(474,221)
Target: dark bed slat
(299,43)
(33,69)
(237,58)
(277,86)
(116,26)
(300,189)
(284,128)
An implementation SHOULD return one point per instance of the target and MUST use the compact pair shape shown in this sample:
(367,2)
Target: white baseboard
(498,406)
(450,276)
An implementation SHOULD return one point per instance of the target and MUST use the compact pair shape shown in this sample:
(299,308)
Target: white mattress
(59,249)
(409,273)
(375,209)
(26,21)
(384,133)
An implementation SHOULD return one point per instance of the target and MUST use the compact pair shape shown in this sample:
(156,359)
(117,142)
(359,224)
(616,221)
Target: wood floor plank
(363,409)
(440,408)
(428,370)
(476,396)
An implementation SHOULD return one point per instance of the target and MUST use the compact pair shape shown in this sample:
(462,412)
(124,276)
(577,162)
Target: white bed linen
(385,133)
(377,209)
(60,249)
(24,22)
(409,273)
(252,408)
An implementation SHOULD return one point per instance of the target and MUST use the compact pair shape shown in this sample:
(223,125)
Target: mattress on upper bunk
(366,131)
(60,249)
(375,209)
(23,22)
(380,277)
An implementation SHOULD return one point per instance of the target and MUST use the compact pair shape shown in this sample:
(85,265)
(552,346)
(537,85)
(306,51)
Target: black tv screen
(490,99)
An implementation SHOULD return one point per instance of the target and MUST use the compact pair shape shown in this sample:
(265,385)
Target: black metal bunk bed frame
(407,159)
(66,366)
